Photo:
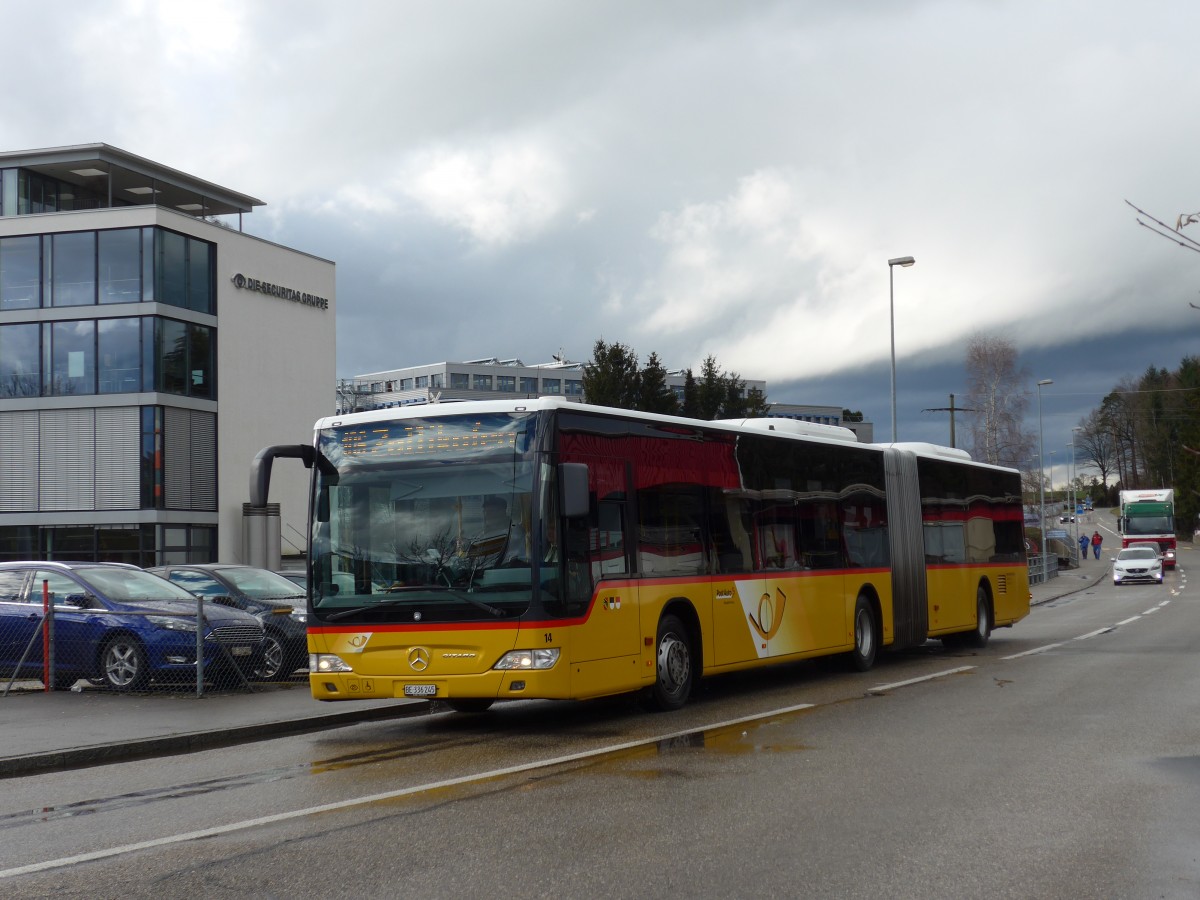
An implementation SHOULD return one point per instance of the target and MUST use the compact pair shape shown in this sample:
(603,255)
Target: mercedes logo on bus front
(418,659)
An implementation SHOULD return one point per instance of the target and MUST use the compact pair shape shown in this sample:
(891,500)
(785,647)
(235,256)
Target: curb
(188,742)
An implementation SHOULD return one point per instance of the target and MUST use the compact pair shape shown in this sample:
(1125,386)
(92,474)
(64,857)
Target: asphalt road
(1061,761)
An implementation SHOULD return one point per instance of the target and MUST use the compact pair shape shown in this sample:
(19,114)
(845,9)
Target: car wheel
(123,664)
(673,668)
(866,635)
(272,667)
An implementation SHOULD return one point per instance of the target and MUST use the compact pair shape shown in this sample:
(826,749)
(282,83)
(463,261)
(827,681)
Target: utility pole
(952,409)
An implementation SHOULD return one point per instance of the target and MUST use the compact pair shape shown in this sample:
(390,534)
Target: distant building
(140,331)
(495,377)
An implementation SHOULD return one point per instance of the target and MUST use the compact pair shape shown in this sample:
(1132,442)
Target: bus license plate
(420,690)
(240,651)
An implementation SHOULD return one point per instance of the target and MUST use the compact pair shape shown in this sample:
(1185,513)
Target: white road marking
(1126,621)
(1092,634)
(1033,651)
(387,795)
(884,688)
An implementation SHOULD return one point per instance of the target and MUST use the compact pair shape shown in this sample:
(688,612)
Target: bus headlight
(528,659)
(327,662)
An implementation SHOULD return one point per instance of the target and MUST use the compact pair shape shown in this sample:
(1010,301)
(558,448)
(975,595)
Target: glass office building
(149,348)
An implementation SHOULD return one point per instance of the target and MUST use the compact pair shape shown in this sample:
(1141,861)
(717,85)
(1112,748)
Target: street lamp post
(1042,473)
(1074,501)
(1052,452)
(905,262)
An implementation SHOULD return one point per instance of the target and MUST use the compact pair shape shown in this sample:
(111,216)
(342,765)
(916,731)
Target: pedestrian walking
(1096,542)
(1083,545)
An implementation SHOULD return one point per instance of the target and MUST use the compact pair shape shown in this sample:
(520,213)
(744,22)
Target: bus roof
(790,428)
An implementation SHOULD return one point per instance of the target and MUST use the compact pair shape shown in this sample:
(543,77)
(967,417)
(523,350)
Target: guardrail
(1042,568)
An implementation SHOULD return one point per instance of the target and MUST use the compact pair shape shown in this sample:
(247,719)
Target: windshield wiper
(486,607)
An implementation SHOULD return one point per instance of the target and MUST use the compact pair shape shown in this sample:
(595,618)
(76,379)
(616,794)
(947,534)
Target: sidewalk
(43,732)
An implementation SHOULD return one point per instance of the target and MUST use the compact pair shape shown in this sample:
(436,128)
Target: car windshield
(421,513)
(1137,553)
(132,585)
(261,584)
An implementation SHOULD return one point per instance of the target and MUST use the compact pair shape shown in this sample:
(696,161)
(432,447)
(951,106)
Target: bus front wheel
(866,635)
(673,665)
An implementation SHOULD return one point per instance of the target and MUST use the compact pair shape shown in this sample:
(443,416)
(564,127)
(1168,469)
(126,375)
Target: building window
(200,362)
(120,265)
(183,544)
(421,381)
(483,382)
(183,271)
(20,372)
(119,356)
(20,272)
(574,388)
(551,385)
(170,268)
(506,383)
(70,348)
(73,269)
(199,289)
(460,381)
(529,385)
(124,265)
(406,384)
(435,380)
(185,363)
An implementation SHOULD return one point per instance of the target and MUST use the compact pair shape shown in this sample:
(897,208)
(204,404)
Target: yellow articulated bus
(503,550)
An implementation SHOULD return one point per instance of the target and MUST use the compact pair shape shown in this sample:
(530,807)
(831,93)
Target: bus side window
(579,566)
(729,533)
(608,541)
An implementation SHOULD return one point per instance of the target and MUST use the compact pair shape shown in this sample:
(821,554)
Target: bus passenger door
(605,646)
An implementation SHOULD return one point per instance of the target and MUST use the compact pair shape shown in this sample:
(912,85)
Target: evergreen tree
(654,394)
(712,390)
(756,403)
(612,377)
(691,396)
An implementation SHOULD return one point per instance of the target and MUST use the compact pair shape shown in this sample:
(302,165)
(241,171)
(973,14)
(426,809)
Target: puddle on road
(738,739)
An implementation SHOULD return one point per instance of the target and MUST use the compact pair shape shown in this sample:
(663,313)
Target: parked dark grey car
(276,601)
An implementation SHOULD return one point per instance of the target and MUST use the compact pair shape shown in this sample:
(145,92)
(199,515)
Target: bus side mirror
(573,489)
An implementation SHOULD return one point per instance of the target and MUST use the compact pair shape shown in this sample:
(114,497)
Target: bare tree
(1118,410)
(996,392)
(1095,444)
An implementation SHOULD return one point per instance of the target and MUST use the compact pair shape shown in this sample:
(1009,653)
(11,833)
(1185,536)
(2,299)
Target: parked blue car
(117,625)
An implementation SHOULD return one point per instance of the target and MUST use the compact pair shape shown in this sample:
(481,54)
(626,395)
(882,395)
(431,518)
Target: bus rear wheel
(673,665)
(866,635)
(983,620)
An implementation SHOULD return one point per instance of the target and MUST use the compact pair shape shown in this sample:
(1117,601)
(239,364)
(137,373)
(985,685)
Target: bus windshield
(424,519)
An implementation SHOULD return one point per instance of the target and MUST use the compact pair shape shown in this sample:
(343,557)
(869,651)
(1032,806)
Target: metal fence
(66,644)
(1042,568)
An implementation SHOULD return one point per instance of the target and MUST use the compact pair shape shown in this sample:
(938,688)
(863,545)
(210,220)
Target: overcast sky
(514,178)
